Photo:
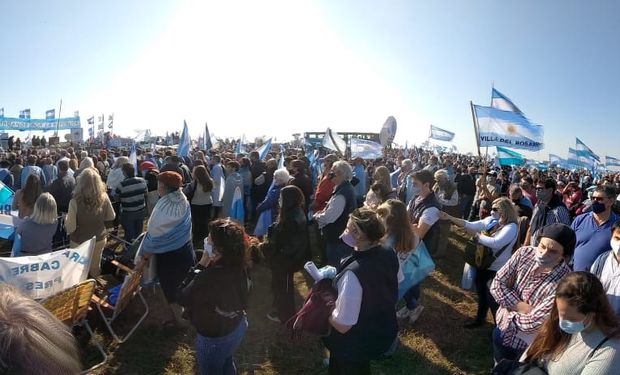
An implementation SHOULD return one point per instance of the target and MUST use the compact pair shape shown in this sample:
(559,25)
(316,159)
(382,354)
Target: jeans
(132,222)
(336,251)
(215,354)
(412,296)
(500,351)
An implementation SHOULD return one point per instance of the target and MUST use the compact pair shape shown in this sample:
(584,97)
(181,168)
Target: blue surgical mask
(348,239)
(571,327)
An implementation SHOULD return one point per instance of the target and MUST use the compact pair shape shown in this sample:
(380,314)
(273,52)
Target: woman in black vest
(364,321)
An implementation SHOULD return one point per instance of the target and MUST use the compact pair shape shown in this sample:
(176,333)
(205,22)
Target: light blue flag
(207,144)
(611,162)
(239,147)
(573,160)
(133,158)
(441,134)
(507,129)
(556,160)
(584,152)
(281,161)
(506,157)
(185,142)
(50,115)
(365,149)
(264,149)
(501,101)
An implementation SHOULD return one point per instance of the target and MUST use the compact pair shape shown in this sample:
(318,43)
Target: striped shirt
(132,192)
(517,281)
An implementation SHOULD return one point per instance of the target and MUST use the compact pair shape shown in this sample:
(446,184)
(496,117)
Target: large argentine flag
(507,157)
(584,152)
(441,134)
(333,141)
(507,129)
(365,149)
(501,101)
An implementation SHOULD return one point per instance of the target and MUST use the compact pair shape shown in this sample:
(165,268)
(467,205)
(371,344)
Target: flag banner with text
(41,276)
(507,129)
(22,124)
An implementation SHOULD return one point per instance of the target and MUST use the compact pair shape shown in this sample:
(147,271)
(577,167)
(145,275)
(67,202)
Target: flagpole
(58,119)
(475,121)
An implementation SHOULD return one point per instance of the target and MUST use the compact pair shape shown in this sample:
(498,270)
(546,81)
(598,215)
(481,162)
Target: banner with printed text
(41,276)
(7,123)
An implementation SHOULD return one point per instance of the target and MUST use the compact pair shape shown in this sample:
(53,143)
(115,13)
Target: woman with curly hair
(89,209)
(24,198)
(215,295)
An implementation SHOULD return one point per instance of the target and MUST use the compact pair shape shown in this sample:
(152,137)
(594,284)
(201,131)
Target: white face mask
(615,246)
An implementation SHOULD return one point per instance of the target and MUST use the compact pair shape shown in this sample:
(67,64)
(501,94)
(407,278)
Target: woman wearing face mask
(364,320)
(499,233)
(525,287)
(582,333)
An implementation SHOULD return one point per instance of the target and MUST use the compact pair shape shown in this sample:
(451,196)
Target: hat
(170,179)
(561,233)
(330,158)
(147,165)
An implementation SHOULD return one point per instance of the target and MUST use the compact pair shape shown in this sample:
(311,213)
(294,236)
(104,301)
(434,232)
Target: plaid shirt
(517,281)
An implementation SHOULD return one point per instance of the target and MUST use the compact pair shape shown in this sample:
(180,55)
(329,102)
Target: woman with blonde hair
(381,189)
(24,198)
(32,340)
(37,231)
(89,209)
(499,233)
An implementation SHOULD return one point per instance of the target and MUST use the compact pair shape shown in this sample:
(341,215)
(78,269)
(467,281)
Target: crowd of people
(551,240)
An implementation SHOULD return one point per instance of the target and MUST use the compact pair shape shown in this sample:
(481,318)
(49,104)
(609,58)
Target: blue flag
(584,152)
(507,129)
(50,115)
(25,113)
(611,162)
(264,149)
(239,147)
(557,160)
(185,143)
(507,157)
(501,101)
(441,134)
(365,149)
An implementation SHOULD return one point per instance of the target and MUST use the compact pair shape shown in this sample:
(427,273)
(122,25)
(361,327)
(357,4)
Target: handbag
(313,317)
(480,256)
(416,267)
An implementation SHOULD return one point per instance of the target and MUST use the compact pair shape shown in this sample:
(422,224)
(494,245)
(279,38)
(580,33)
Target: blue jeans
(500,351)
(412,296)
(133,223)
(215,354)
(336,251)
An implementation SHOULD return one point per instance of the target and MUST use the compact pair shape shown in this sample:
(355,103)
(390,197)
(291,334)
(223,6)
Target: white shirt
(335,207)
(430,216)
(349,300)
(506,235)
(610,278)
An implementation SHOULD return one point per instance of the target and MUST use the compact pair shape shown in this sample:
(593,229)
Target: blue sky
(278,67)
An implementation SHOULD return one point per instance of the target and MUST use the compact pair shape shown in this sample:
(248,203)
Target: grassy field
(435,344)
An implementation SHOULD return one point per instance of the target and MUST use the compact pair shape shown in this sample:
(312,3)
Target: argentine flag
(50,115)
(207,139)
(584,152)
(264,149)
(441,134)
(237,212)
(611,162)
(507,129)
(133,158)
(556,160)
(333,141)
(506,157)
(501,101)
(185,142)
(573,160)
(361,148)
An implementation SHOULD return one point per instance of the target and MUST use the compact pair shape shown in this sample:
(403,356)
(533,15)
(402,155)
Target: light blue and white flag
(133,158)
(441,134)
(611,162)
(506,157)
(281,161)
(207,139)
(264,149)
(240,147)
(507,129)
(25,113)
(50,115)
(185,143)
(365,149)
(557,160)
(501,101)
(91,120)
(573,160)
(333,141)
(584,152)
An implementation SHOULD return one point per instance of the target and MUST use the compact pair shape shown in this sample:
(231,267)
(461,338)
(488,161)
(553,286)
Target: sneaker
(273,317)
(403,313)
(415,313)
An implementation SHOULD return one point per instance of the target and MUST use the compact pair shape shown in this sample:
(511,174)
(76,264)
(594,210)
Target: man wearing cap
(548,209)
(525,287)
(333,219)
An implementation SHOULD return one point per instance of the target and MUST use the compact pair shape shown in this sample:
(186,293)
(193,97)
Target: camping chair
(70,306)
(128,290)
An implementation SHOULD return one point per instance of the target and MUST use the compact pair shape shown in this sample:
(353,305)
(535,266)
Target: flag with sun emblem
(507,129)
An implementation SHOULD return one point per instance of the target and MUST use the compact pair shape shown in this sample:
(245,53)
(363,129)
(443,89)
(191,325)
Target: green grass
(435,344)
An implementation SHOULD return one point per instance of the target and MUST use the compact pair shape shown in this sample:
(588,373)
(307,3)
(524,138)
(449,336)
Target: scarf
(170,225)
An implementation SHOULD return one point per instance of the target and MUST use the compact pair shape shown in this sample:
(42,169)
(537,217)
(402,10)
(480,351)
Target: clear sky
(279,67)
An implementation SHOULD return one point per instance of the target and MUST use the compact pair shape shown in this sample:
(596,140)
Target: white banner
(41,276)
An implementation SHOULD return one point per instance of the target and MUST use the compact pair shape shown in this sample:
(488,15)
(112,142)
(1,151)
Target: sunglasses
(331,175)
(599,199)
(494,209)
(539,188)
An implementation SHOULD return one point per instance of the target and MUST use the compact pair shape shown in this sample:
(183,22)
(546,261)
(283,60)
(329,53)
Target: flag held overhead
(507,129)
(441,134)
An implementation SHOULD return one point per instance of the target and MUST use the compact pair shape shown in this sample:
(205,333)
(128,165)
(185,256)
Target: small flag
(91,121)
(584,152)
(441,134)
(50,115)
(207,139)
(507,129)
(185,143)
(111,121)
(90,132)
(557,160)
(506,157)
(281,161)
(264,149)
(24,114)
(501,101)
(100,119)
(365,149)
(333,141)
(76,114)
(611,162)
(133,157)
(239,147)
(2,112)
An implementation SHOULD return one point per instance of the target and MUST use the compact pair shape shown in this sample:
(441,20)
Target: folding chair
(129,289)
(71,306)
